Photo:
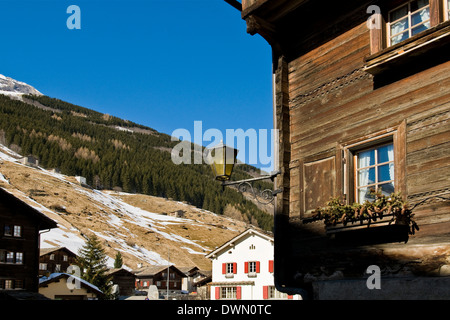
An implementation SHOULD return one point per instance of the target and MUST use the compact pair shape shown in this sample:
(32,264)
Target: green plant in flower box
(392,207)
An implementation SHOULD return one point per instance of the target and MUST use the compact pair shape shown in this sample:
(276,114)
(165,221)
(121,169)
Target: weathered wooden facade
(55,260)
(361,101)
(20,225)
(124,279)
(157,275)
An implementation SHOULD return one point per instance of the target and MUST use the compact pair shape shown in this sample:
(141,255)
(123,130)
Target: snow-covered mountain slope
(14,88)
(141,227)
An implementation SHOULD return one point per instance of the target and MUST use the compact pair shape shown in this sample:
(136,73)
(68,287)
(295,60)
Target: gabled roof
(44,251)
(114,271)
(188,270)
(12,201)
(150,271)
(247,233)
(54,277)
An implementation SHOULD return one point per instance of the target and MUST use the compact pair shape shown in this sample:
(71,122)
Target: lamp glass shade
(222,159)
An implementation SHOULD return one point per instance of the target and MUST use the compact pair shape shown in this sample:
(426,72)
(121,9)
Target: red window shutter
(234,267)
(290,296)
(257,266)
(270,265)
(246,267)
(224,268)
(265,292)
(217,293)
(238,293)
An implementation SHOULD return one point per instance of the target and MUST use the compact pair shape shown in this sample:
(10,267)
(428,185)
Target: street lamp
(222,159)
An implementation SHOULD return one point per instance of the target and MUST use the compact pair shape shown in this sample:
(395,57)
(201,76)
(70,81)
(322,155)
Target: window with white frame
(408,20)
(228,293)
(17,231)
(230,269)
(9,257)
(42,266)
(374,171)
(19,257)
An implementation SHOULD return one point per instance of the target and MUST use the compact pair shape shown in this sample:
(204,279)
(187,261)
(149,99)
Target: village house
(187,283)
(64,286)
(157,275)
(56,259)
(361,103)
(20,226)
(242,268)
(124,279)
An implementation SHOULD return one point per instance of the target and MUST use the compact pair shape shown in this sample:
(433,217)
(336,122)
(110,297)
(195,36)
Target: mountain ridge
(145,229)
(113,153)
(15,88)
(131,183)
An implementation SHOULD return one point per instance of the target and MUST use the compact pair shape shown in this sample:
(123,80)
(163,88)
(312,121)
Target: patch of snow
(63,237)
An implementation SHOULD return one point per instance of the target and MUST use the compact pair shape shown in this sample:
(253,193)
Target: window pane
(366,177)
(386,172)
(17,231)
(387,188)
(19,257)
(420,28)
(7,231)
(399,13)
(385,153)
(399,38)
(399,26)
(417,4)
(10,257)
(420,16)
(366,194)
(366,158)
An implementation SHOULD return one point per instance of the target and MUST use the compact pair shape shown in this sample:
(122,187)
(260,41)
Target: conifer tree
(118,260)
(92,262)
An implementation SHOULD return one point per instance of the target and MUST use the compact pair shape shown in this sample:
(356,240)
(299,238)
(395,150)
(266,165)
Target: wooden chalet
(157,275)
(20,225)
(56,259)
(124,279)
(361,102)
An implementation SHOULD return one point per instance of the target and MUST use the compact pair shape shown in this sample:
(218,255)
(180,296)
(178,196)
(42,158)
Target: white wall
(251,248)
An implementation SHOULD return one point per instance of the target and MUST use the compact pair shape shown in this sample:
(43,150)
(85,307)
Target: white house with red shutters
(242,268)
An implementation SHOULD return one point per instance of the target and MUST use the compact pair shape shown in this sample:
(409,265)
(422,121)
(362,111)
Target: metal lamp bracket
(262,196)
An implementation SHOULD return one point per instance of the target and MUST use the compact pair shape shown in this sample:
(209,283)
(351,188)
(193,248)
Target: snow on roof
(55,276)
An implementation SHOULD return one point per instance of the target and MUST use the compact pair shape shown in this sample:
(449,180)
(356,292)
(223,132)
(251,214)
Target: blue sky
(160,63)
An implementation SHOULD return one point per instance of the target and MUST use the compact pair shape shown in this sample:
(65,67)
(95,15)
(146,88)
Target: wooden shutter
(257,266)
(246,267)
(224,268)
(270,265)
(217,289)
(234,267)
(265,292)
(238,293)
